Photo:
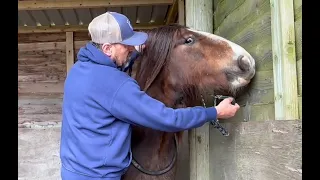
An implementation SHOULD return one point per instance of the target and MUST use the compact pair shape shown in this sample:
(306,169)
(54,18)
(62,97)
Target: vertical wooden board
(257,150)
(69,50)
(297,4)
(299,75)
(300,106)
(298,38)
(144,14)
(284,58)
(199,16)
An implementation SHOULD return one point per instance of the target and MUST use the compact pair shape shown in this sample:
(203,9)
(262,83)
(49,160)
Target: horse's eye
(189,41)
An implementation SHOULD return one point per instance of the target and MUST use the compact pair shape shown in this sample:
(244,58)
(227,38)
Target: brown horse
(177,66)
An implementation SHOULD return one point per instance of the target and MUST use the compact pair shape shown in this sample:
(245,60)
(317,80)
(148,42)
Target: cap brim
(136,39)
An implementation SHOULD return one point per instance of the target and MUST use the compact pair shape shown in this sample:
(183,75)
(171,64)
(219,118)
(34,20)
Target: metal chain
(216,123)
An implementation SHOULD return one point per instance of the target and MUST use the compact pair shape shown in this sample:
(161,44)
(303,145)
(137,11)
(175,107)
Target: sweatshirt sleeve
(134,106)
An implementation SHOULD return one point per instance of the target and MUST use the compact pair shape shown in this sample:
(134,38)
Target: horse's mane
(156,53)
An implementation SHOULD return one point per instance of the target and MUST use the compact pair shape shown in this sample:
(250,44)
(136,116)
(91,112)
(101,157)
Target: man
(101,102)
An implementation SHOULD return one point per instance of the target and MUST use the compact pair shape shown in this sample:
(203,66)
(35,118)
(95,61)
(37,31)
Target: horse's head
(187,60)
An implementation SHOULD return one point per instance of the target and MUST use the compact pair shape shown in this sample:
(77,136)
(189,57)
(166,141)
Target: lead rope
(216,123)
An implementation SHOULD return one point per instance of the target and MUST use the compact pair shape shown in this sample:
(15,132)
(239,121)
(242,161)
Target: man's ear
(106,48)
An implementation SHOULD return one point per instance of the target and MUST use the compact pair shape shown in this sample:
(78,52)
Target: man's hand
(226,110)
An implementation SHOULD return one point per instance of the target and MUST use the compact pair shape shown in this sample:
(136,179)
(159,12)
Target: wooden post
(69,50)
(284,60)
(199,16)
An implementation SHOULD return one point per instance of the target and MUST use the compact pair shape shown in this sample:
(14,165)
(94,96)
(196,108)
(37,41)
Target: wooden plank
(173,12)
(69,4)
(299,75)
(300,106)
(45,77)
(39,106)
(181,12)
(284,58)
(297,9)
(51,37)
(255,112)
(41,37)
(199,16)
(298,37)
(23,47)
(260,90)
(74,28)
(262,53)
(255,150)
(242,17)
(45,70)
(69,50)
(40,87)
(224,8)
(253,34)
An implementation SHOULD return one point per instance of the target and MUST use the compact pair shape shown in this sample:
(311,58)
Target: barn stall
(265,135)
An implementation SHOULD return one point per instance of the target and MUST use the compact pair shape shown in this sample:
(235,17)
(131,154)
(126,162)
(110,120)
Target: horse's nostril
(243,63)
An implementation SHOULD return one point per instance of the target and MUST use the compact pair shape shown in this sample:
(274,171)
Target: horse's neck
(152,148)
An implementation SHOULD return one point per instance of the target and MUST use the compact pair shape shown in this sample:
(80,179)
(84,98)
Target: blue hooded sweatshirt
(99,105)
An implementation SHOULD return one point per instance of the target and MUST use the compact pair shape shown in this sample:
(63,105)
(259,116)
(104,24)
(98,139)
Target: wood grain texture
(284,60)
(199,16)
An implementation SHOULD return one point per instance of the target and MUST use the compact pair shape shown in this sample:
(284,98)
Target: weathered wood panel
(257,150)
(298,37)
(51,37)
(248,23)
(41,75)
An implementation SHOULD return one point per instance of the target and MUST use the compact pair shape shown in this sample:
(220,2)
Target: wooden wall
(41,75)
(298,32)
(248,23)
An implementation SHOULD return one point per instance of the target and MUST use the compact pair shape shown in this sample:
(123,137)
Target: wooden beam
(173,11)
(199,16)
(69,28)
(181,12)
(74,4)
(43,46)
(69,50)
(284,60)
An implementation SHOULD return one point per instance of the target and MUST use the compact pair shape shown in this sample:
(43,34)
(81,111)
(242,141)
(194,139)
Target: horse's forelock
(158,50)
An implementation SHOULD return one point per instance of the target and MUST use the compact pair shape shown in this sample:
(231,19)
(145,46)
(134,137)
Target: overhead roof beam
(76,28)
(72,4)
